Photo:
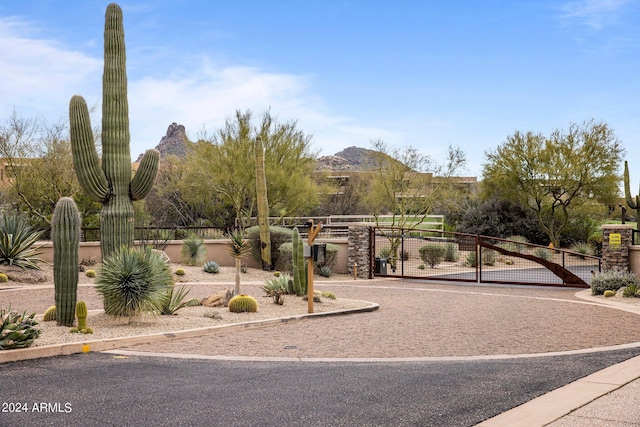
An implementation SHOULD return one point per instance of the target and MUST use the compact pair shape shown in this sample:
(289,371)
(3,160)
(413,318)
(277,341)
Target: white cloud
(593,13)
(39,76)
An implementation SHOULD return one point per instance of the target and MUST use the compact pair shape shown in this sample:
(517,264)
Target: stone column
(358,249)
(616,239)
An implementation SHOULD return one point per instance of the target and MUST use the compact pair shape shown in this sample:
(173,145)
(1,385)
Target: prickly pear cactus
(109,181)
(65,234)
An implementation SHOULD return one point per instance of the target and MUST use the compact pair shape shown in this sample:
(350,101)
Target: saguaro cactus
(110,182)
(263,206)
(299,276)
(65,234)
(633,204)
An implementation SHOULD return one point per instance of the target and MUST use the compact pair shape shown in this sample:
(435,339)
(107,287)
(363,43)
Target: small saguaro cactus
(633,204)
(299,272)
(65,235)
(109,181)
(81,313)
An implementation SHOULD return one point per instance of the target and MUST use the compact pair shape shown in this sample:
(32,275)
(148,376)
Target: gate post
(616,239)
(358,249)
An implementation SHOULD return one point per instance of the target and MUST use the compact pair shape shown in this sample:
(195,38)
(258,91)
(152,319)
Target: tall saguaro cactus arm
(85,156)
(110,182)
(65,234)
(142,182)
(633,204)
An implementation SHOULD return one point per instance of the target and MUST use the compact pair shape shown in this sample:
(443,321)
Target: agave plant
(238,247)
(281,283)
(17,330)
(211,267)
(193,250)
(133,281)
(16,242)
(174,300)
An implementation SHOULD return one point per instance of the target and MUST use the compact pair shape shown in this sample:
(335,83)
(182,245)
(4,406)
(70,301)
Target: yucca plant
(133,281)
(174,300)
(193,250)
(238,247)
(16,242)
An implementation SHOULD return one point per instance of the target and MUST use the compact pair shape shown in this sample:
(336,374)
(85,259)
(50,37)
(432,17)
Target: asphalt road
(99,389)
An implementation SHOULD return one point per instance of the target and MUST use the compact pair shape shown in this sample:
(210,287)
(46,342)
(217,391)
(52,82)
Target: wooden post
(313,232)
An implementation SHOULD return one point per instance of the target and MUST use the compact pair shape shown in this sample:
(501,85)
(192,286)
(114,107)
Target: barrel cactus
(65,235)
(109,180)
(243,303)
(49,314)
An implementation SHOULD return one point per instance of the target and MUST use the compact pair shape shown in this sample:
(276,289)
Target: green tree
(38,168)
(223,166)
(554,176)
(407,184)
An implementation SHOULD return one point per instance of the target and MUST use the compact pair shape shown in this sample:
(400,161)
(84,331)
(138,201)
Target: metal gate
(450,256)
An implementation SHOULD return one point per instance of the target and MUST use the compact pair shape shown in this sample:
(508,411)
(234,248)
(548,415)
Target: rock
(219,299)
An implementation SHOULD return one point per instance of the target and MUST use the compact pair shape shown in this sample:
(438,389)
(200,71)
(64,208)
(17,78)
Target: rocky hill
(173,143)
(349,159)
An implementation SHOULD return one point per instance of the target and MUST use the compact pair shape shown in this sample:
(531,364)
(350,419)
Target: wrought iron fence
(439,255)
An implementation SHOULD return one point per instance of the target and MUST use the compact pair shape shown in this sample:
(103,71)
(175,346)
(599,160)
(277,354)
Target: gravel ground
(415,319)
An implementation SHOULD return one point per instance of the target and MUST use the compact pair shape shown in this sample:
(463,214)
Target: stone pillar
(358,249)
(616,239)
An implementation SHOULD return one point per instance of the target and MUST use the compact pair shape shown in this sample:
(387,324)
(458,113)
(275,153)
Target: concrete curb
(564,400)
(113,343)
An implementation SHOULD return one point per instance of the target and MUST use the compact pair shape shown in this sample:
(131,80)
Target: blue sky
(426,74)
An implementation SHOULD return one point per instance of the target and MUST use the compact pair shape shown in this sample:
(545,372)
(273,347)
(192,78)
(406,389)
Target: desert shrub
(543,253)
(582,248)
(16,242)
(330,257)
(471,259)
(515,244)
(385,253)
(278,235)
(432,254)
(451,252)
(595,240)
(133,281)
(500,218)
(422,267)
(405,255)
(285,257)
(612,280)
(489,257)
(328,294)
(193,250)
(631,291)
(211,267)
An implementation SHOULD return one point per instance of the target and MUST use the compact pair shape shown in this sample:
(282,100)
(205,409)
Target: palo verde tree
(224,166)
(109,181)
(406,184)
(553,176)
